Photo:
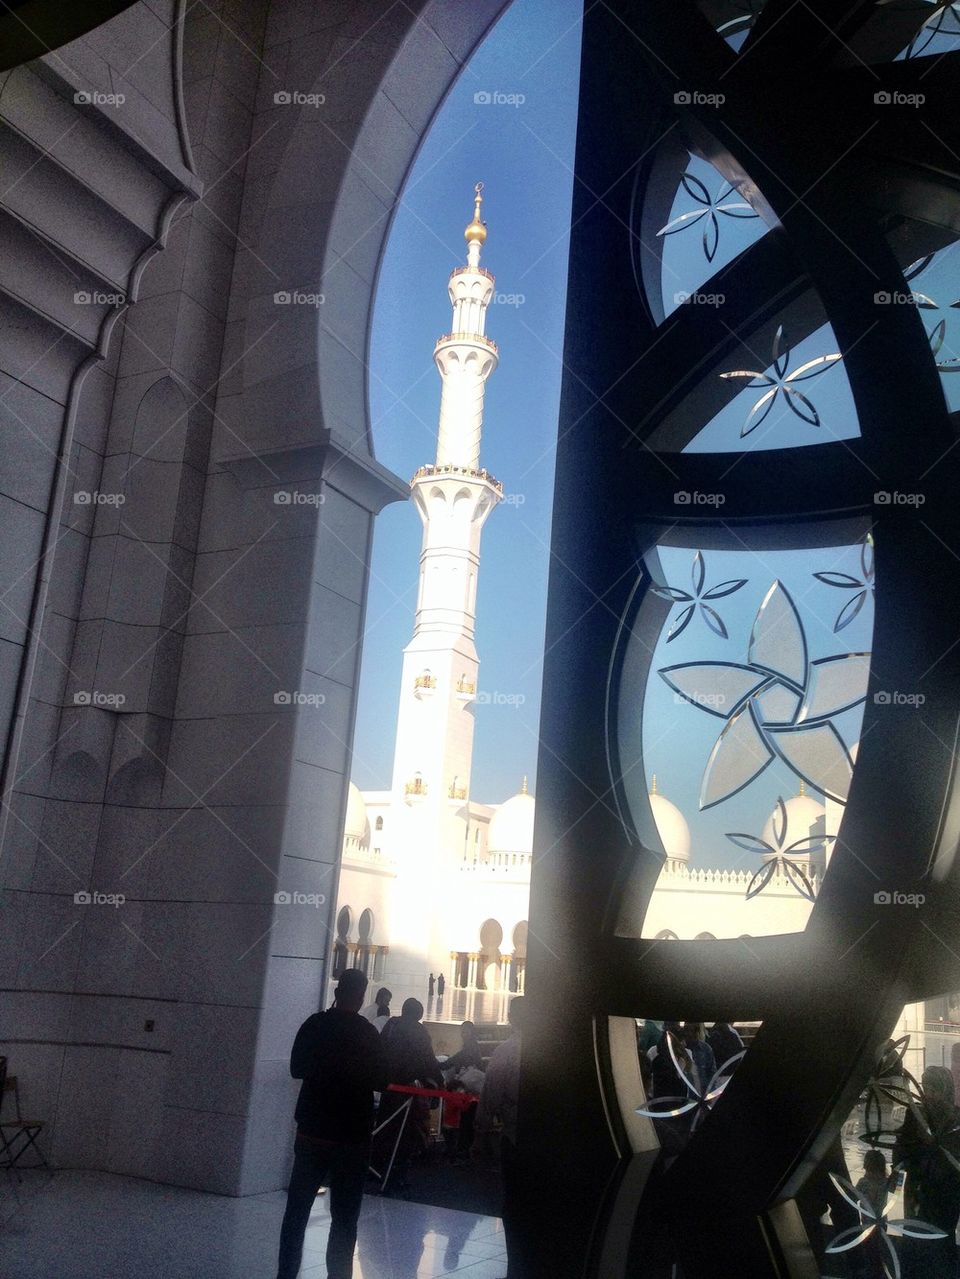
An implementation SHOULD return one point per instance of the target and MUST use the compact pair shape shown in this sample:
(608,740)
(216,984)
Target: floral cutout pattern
(777,703)
(697,600)
(891,1084)
(782,383)
(778,855)
(924,302)
(863,585)
(943,21)
(707,207)
(872,1223)
(698,1103)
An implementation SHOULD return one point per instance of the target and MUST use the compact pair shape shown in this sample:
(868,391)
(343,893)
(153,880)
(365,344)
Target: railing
(466,686)
(472,270)
(457,792)
(425,681)
(447,468)
(417,787)
(481,338)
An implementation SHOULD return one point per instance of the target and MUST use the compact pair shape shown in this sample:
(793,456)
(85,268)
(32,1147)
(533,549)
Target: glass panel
(792,395)
(733,19)
(710,224)
(939,31)
(934,282)
(750,718)
(899,1155)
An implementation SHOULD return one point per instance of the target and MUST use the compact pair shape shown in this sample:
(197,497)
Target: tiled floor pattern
(86,1225)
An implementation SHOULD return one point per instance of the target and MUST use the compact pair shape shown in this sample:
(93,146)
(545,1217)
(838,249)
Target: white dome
(355,827)
(671,826)
(511,827)
(802,812)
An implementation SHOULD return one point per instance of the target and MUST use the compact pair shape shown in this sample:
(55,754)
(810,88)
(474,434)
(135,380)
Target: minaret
(434,747)
(454,497)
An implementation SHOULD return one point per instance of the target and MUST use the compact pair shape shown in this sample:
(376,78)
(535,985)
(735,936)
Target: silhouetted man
(339,1057)
(498,1100)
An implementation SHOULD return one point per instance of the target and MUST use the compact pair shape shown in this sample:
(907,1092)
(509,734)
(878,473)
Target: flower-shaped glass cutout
(891,1085)
(862,585)
(778,381)
(698,1102)
(782,855)
(735,28)
(872,1222)
(696,599)
(709,224)
(777,703)
(802,398)
(939,31)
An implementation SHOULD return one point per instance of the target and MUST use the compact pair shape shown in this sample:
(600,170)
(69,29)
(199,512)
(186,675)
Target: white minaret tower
(454,496)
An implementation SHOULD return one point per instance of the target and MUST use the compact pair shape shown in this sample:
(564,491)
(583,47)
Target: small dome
(355,827)
(476,230)
(511,827)
(671,826)
(802,812)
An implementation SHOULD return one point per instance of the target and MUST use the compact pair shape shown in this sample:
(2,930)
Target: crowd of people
(350,1117)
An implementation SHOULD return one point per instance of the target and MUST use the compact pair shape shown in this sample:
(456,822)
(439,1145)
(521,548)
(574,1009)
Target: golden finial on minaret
(803,788)
(653,785)
(523,790)
(477,230)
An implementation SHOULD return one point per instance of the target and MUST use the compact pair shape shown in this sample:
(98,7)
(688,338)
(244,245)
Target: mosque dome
(511,827)
(802,812)
(671,826)
(356,826)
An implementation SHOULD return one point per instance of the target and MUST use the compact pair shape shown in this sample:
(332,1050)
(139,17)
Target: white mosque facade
(431,880)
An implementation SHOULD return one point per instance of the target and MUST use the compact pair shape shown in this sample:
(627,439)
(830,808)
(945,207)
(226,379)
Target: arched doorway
(488,963)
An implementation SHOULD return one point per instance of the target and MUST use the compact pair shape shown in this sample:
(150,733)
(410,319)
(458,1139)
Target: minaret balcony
(448,468)
(415,790)
(480,339)
(472,270)
(466,690)
(457,793)
(425,685)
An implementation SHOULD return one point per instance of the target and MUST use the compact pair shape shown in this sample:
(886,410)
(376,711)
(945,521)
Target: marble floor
(88,1225)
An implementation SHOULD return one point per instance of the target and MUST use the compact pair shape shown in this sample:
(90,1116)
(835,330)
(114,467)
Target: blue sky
(523,153)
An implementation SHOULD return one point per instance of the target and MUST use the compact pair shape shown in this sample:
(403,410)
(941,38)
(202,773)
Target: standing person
(340,1058)
(498,1100)
(441,985)
(410,1060)
(725,1041)
(430,983)
(705,1064)
(932,1188)
(378,1013)
(470,1053)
